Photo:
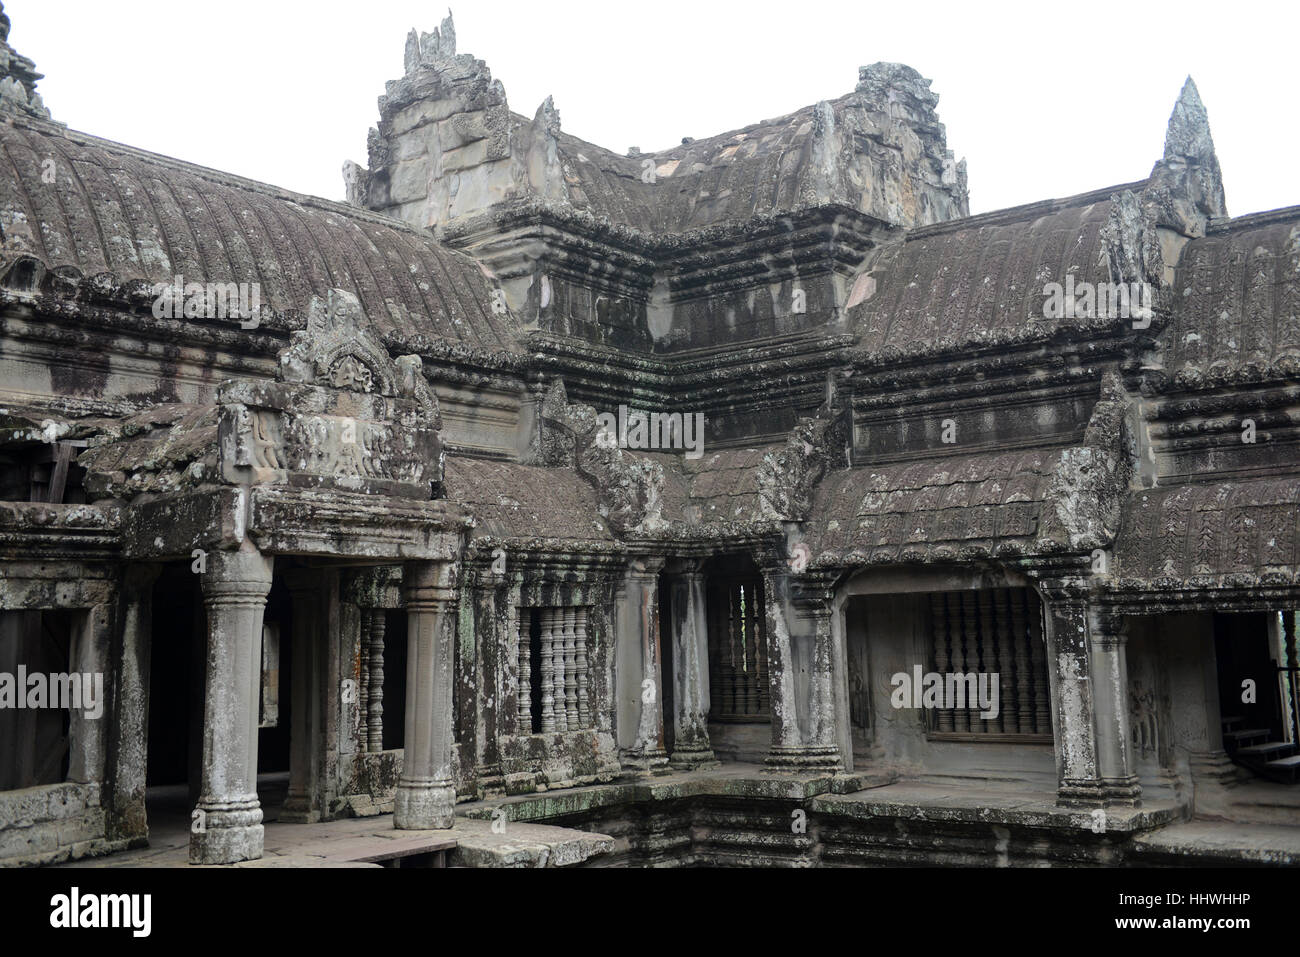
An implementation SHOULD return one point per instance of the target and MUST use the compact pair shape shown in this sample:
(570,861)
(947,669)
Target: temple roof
(514,501)
(1225,528)
(936,509)
(762,169)
(134,215)
(980,279)
(1237,298)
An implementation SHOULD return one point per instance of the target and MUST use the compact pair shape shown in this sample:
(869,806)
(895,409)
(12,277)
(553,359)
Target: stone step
(1267,748)
(1239,736)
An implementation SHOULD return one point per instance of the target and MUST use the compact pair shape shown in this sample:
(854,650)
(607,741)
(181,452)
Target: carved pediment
(343,413)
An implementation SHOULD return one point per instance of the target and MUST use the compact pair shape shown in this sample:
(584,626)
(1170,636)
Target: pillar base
(692,759)
(803,759)
(652,760)
(231,832)
(1081,794)
(419,806)
(1124,792)
(298,810)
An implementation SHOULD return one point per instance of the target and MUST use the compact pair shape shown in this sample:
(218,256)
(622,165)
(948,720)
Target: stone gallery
(746,502)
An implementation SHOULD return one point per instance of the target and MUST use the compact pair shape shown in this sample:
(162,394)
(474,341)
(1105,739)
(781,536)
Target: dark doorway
(1243,652)
(668,626)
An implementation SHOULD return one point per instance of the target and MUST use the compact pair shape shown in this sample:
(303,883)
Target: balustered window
(998,630)
(554,670)
(738,682)
(382,688)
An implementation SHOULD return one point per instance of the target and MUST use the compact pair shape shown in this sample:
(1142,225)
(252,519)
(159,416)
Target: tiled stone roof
(1237,300)
(980,280)
(509,500)
(957,508)
(1225,528)
(125,214)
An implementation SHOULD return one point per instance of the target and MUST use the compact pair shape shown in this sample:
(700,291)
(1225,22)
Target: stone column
(1069,671)
(690,638)
(130,733)
(426,791)
(1108,637)
(307,645)
(92,643)
(803,662)
(229,824)
(639,677)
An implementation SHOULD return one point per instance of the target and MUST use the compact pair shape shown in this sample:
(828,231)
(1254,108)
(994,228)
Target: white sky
(1042,100)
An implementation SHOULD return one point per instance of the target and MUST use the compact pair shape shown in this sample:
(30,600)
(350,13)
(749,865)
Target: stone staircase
(1255,749)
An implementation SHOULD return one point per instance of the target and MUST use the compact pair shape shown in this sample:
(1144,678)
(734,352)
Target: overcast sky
(1042,100)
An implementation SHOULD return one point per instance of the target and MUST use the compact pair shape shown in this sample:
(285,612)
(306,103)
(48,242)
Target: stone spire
(1190,167)
(18,78)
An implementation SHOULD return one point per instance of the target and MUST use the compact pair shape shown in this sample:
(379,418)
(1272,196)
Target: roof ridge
(1262,218)
(1023,212)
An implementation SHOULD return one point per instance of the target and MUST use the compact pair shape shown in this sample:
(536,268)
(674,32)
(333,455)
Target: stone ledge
(1219,843)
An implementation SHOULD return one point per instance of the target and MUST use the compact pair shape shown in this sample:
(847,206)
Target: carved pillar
(639,678)
(1070,677)
(229,826)
(1108,639)
(690,638)
(426,792)
(89,654)
(125,801)
(804,661)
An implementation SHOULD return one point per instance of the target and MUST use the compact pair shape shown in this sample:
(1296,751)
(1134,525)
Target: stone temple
(745,502)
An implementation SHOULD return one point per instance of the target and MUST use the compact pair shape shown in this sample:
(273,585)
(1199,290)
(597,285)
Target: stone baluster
(548,674)
(570,667)
(580,643)
(988,646)
(375,709)
(1024,661)
(522,628)
(553,620)
(1009,719)
(942,640)
(363,681)
(964,620)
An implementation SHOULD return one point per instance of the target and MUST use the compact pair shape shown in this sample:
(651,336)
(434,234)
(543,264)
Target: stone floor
(504,833)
